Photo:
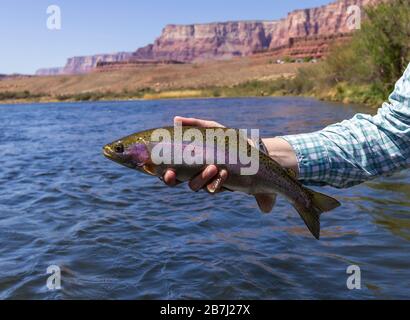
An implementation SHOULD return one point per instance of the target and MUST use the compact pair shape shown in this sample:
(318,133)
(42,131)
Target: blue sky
(96,26)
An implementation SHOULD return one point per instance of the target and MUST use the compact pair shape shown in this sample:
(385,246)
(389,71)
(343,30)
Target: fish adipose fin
(266,202)
(311,216)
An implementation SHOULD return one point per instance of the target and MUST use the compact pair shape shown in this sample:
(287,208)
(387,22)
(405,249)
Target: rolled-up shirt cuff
(312,156)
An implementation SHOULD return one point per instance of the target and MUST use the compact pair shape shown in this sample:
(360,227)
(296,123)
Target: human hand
(211,178)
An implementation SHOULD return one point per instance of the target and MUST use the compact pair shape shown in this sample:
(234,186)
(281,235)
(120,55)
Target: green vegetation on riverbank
(362,71)
(365,69)
(342,92)
(19,95)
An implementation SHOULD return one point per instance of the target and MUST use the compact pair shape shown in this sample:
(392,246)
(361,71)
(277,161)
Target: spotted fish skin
(135,151)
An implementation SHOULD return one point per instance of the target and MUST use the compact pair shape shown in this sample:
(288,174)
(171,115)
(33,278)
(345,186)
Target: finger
(193,122)
(170,178)
(203,178)
(216,185)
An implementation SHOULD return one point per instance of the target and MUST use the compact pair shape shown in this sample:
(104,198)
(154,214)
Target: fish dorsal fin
(266,202)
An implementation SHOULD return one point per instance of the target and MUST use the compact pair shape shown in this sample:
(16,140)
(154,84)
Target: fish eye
(119,148)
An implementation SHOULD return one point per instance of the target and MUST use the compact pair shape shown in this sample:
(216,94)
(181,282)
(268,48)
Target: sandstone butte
(217,41)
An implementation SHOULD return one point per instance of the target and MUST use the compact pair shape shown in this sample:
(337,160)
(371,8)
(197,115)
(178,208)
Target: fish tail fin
(311,216)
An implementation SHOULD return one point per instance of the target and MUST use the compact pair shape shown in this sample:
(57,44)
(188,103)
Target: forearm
(353,151)
(282,152)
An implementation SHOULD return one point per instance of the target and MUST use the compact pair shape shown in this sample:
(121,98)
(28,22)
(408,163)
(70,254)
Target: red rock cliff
(229,39)
(84,64)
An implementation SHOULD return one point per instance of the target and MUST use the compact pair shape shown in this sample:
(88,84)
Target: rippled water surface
(118,234)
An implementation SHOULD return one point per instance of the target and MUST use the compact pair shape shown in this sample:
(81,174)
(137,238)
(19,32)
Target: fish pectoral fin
(150,169)
(266,202)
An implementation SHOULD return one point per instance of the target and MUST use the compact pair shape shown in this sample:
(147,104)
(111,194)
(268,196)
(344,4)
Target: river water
(117,234)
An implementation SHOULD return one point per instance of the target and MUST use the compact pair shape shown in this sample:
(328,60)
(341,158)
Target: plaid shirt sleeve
(353,151)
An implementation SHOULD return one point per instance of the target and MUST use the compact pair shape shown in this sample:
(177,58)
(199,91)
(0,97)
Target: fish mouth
(109,153)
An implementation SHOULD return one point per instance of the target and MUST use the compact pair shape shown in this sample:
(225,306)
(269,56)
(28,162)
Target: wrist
(282,152)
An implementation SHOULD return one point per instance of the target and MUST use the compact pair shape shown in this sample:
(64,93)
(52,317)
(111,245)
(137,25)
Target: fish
(137,151)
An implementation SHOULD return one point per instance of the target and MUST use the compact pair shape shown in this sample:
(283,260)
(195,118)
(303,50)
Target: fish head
(131,152)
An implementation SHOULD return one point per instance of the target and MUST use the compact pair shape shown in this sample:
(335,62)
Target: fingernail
(215,185)
(207,171)
(167,180)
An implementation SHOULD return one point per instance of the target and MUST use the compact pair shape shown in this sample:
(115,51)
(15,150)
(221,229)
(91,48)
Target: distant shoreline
(180,95)
(257,76)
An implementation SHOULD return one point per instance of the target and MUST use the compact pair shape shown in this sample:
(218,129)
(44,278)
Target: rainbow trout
(153,154)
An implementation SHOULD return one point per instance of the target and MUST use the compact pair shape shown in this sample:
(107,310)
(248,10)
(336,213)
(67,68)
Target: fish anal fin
(266,202)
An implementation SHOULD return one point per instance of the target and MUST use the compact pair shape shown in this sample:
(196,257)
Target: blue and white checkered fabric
(353,151)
